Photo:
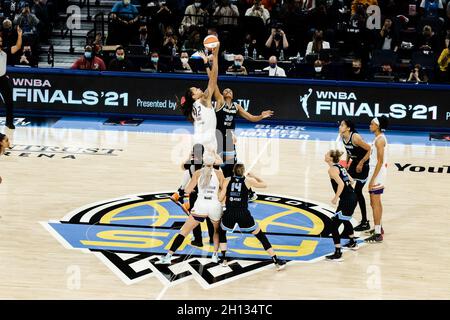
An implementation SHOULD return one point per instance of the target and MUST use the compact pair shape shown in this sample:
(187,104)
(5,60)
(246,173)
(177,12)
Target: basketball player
(358,151)
(377,175)
(226,112)
(4,144)
(341,183)
(209,182)
(235,191)
(190,166)
(196,105)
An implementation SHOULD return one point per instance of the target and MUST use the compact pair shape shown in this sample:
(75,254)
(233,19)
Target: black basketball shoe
(336,257)
(363,226)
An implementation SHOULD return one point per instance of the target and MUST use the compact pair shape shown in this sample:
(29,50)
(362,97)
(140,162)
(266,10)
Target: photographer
(225,11)
(277,41)
(258,10)
(237,67)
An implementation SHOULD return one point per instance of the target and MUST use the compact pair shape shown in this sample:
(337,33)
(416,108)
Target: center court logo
(129,234)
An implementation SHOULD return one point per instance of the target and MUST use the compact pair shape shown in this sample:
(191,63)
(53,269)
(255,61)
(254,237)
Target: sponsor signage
(292,100)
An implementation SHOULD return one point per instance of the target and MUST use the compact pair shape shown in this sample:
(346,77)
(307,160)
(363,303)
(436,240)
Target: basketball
(210,42)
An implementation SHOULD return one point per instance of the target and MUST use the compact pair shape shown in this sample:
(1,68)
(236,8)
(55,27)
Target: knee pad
(222,235)
(261,236)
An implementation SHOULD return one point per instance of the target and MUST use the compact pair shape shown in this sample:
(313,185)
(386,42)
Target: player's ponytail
(336,155)
(205,177)
(186,105)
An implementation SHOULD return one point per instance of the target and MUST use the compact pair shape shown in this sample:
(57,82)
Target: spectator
(443,63)
(89,61)
(417,74)
(277,41)
(238,68)
(432,8)
(28,23)
(170,42)
(41,11)
(125,17)
(225,11)
(388,38)
(268,4)
(184,65)
(356,73)
(27,58)
(320,70)
(120,63)
(250,43)
(163,16)
(274,69)
(144,37)
(318,44)
(258,10)
(427,42)
(386,73)
(194,42)
(193,17)
(362,3)
(155,65)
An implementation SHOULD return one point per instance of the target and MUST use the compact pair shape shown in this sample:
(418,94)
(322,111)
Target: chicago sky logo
(130,233)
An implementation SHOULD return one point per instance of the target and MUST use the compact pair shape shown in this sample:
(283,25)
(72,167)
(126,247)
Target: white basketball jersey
(211,191)
(204,122)
(374,153)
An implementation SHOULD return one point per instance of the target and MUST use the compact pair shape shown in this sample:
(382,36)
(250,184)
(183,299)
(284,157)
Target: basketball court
(85,214)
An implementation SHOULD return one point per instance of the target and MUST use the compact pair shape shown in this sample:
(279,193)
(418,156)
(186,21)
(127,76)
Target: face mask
(155,59)
(197,4)
(126,2)
(318,69)
(184,60)
(120,58)
(273,65)
(88,54)
(237,64)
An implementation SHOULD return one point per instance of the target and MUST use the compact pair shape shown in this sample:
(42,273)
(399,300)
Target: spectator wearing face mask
(121,63)
(320,70)
(28,22)
(155,64)
(258,10)
(193,17)
(356,72)
(225,10)
(237,67)
(276,42)
(89,61)
(184,65)
(386,73)
(144,37)
(274,69)
(27,58)
(170,42)
(124,19)
(318,44)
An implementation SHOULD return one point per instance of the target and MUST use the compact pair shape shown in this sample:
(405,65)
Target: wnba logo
(304,101)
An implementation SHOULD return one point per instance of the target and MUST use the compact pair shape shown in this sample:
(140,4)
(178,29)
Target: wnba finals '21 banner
(292,99)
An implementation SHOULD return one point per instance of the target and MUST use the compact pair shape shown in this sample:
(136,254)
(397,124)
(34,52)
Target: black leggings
(361,200)
(7,93)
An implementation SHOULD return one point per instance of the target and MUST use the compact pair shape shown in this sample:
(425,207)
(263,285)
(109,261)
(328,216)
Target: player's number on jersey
(196,111)
(236,186)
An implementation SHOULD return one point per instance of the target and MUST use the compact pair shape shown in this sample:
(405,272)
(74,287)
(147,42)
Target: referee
(6,54)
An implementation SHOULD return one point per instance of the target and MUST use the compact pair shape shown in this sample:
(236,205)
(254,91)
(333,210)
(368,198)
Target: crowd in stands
(35,18)
(375,40)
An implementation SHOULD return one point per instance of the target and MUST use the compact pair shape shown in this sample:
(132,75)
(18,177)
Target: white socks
(378,229)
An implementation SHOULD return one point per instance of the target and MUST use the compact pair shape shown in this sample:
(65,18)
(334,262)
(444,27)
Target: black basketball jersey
(356,153)
(237,193)
(344,176)
(226,117)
